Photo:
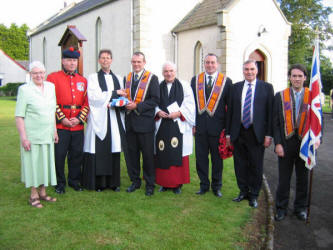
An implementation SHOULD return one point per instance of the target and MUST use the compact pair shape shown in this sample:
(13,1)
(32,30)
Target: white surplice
(187,108)
(97,119)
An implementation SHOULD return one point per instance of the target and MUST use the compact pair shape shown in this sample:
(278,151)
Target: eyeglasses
(37,73)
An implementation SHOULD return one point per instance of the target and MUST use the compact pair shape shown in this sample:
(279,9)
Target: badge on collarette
(174,142)
(80,86)
(161,145)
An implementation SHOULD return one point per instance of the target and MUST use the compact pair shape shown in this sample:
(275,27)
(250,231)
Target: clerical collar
(108,73)
(69,73)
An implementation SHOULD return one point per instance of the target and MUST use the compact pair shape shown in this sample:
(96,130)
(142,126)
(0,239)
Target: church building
(182,31)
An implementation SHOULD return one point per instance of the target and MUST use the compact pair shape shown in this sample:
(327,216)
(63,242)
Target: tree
(306,16)
(14,41)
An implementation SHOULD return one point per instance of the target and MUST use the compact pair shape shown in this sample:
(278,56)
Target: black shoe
(217,193)
(132,188)
(163,189)
(201,191)
(302,215)
(253,203)
(59,189)
(240,197)
(76,187)
(177,190)
(116,189)
(149,191)
(280,214)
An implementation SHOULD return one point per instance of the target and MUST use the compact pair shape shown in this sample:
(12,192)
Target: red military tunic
(72,101)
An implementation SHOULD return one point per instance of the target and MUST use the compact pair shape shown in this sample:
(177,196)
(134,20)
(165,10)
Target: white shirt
(214,76)
(245,88)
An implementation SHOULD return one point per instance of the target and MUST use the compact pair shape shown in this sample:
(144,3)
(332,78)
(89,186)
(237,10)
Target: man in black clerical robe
(175,117)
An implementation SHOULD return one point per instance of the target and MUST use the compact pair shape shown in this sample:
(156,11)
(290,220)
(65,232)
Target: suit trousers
(205,144)
(141,142)
(286,167)
(71,145)
(248,162)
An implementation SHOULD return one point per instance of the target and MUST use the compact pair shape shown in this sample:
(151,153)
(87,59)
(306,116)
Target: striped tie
(247,108)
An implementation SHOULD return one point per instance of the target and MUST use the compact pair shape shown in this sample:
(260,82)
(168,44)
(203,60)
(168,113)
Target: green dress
(38,110)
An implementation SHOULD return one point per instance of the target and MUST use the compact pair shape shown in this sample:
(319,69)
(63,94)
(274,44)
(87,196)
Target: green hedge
(10,89)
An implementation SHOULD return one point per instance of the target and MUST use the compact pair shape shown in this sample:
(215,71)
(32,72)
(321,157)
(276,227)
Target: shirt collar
(213,75)
(253,83)
(140,73)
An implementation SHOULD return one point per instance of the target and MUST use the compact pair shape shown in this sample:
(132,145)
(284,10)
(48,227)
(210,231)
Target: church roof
(68,13)
(203,14)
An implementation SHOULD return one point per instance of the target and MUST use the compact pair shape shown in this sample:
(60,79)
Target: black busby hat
(70,53)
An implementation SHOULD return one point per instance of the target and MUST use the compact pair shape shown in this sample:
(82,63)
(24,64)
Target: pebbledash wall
(127,26)
(235,37)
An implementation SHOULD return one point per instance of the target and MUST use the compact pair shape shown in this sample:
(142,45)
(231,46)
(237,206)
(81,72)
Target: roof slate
(77,9)
(203,14)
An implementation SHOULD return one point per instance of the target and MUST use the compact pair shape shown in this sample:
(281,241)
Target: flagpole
(311,171)
(309,198)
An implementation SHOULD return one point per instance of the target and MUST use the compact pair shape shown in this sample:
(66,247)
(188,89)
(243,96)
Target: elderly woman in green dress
(35,121)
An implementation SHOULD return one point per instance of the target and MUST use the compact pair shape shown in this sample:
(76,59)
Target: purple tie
(247,108)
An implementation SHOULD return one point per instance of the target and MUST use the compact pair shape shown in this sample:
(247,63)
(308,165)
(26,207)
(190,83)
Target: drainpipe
(175,47)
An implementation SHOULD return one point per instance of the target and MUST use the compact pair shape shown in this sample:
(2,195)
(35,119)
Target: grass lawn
(109,220)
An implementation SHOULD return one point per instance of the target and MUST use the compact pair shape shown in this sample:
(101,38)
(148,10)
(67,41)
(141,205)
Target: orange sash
(288,112)
(141,90)
(214,98)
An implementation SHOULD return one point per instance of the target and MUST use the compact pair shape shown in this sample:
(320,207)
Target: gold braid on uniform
(59,114)
(82,116)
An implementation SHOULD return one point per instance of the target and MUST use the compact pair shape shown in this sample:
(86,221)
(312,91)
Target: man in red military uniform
(71,113)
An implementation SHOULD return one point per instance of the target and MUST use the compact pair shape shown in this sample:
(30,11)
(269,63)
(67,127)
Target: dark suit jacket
(278,120)
(142,120)
(262,110)
(212,125)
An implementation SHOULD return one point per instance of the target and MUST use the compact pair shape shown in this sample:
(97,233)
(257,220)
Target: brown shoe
(47,198)
(35,202)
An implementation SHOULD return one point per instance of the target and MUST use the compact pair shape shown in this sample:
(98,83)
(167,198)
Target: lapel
(239,96)
(257,92)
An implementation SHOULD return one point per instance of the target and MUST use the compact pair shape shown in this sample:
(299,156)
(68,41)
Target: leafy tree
(14,41)
(306,16)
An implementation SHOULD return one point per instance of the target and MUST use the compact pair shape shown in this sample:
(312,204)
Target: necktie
(297,102)
(247,108)
(136,77)
(209,87)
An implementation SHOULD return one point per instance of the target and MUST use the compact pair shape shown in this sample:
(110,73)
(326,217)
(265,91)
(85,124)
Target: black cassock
(169,140)
(102,169)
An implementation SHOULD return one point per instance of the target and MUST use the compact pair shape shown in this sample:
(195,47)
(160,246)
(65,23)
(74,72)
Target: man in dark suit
(142,88)
(289,119)
(249,128)
(211,91)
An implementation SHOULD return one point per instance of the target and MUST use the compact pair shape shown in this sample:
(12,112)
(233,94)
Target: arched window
(98,35)
(198,58)
(44,51)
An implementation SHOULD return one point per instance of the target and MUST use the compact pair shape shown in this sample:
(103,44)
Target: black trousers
(71,145)
(248,162)
(137,143)
(286,168)
(205,144)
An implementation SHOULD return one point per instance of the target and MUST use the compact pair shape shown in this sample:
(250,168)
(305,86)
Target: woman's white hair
(168,63)
(36,64)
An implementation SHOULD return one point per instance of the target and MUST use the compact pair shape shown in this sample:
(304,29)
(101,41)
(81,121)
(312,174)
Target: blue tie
(297,102)
(247,108)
